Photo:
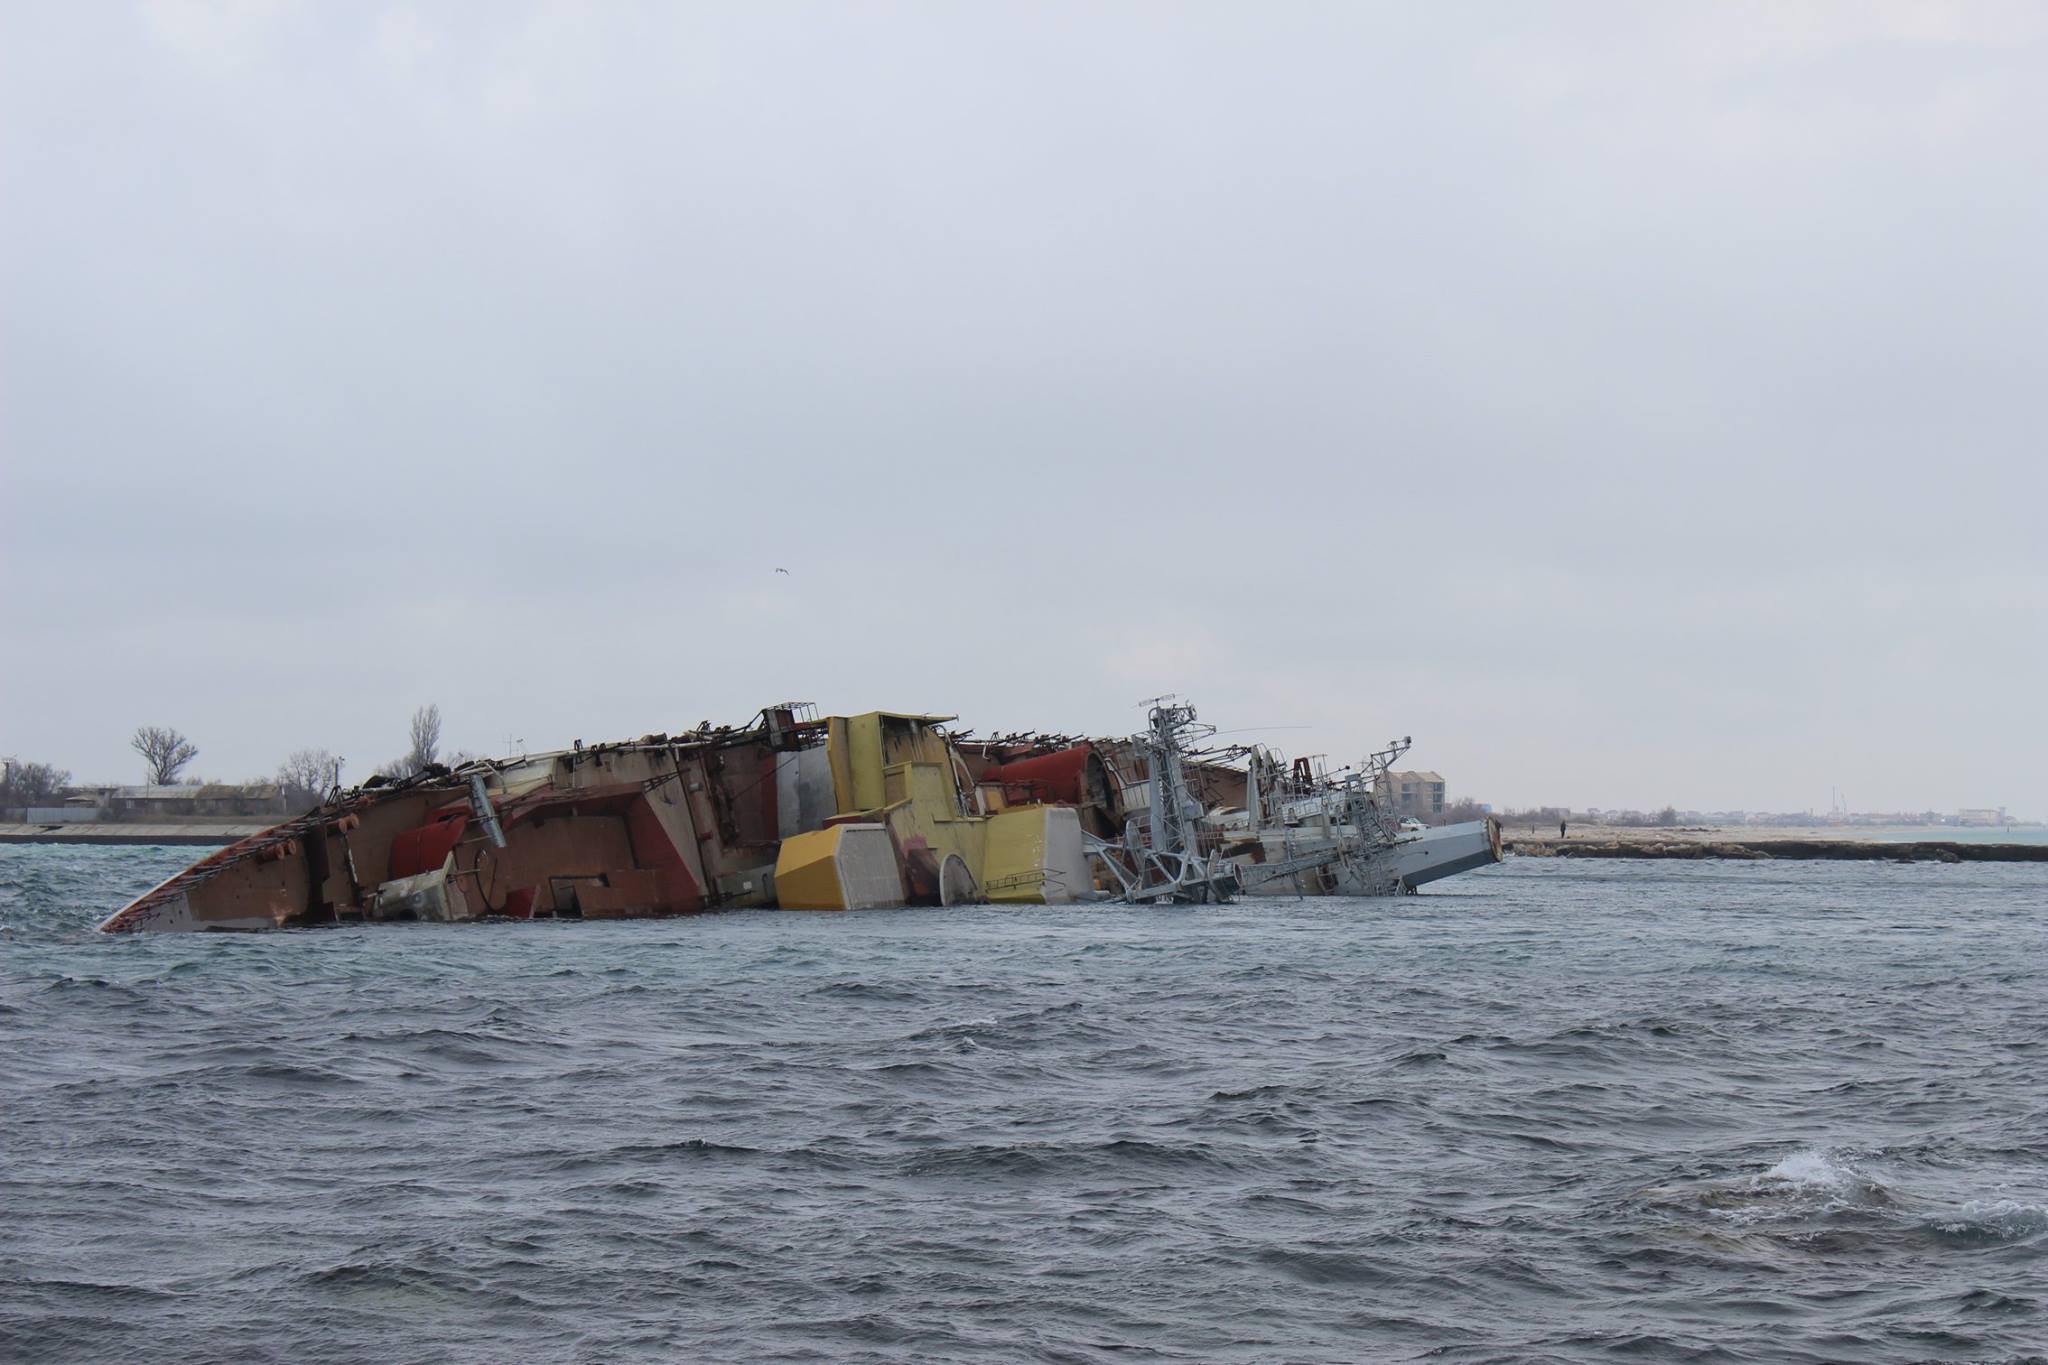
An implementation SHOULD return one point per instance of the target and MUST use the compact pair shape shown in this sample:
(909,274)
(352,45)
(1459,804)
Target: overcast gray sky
(1635,403)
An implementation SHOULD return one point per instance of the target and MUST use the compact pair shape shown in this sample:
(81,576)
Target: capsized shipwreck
(804,812)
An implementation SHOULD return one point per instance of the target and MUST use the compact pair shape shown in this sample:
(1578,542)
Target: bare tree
(1457,812)
(426,737)
(24,784)
(307,776)
(164,750)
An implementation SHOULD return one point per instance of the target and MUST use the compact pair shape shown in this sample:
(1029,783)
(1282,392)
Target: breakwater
(194,832)
(1758,850)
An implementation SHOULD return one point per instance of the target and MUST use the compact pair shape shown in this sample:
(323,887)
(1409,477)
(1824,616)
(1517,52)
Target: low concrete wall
(59,815)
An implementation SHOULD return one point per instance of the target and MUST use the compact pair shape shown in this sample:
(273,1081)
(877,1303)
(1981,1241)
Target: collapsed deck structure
(803,812)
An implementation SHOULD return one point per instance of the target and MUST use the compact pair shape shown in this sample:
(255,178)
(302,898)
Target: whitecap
(1813,1168)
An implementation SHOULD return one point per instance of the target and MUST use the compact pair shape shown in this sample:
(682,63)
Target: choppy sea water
(1551,1111)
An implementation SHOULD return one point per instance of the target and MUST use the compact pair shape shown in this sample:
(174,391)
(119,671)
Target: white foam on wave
(1814,1169)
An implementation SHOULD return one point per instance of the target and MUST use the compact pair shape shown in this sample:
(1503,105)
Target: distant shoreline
(2017,832)
(2014,844)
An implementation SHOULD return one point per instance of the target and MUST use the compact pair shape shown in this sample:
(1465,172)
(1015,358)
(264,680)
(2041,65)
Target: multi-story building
(1420,795)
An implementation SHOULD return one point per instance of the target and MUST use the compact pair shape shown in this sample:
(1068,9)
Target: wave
(1995,1220)
(864,990)
(1094,1160)
(1822,1201)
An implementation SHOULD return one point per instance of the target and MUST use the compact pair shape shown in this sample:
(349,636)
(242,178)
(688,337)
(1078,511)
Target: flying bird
(782,571)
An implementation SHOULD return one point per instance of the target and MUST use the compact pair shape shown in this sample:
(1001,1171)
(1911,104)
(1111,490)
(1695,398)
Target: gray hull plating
(1349,865)
(1433,854)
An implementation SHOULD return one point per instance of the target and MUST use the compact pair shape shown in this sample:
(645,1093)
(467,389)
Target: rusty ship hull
(650,827)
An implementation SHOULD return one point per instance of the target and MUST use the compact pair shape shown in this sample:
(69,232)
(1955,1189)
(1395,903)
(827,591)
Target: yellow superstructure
(897,771)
